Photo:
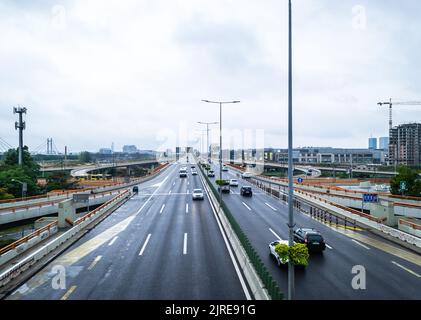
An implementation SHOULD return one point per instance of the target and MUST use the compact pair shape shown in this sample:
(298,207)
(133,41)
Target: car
(310,237)
(183,173)
(192,166)
(194,173)
(246,191)
(211,174)
(273,253)
(135,189)
(246,175)
(198,194)
(224,168)
(233,182)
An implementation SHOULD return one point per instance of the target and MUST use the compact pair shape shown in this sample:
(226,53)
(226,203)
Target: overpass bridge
(84,171)
(317,169)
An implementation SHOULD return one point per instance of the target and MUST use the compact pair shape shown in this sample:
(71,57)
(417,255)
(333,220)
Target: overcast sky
(93,72)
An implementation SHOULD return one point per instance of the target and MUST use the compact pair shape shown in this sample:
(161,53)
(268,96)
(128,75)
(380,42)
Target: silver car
(198,194)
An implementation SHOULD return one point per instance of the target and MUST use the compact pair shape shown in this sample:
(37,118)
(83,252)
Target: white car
(233,182)
(194,173)
(183,173)
(273,253)
(224,168)
(246,175)
(198,194)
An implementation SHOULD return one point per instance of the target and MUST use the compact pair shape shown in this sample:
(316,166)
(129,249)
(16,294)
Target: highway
(388,274)
(158,245)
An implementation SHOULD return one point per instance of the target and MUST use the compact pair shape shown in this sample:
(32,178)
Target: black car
(246,191)
(135,189)
(310,237)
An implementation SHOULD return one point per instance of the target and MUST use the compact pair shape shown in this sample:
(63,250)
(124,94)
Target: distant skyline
(134,72)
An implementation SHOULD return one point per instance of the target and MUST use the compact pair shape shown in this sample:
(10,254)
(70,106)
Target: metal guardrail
(265,276)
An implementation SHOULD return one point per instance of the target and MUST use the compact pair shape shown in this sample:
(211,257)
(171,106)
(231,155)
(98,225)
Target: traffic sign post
(369,198)
(403,187)
(300,180)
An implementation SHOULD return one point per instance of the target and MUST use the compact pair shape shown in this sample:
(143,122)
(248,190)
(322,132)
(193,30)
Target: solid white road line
(406,269)
(112,241)
(185,244)
(360,244)
(274,233)
(162,208)
(145,244)
(274,209)
(247,206)
(328,246)
(187,208)
(94,262)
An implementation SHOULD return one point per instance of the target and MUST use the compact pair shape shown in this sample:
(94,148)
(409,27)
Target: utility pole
(21,125)
(291,280)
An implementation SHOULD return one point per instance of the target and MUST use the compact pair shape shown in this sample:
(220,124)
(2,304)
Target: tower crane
(391,103)
(401,103)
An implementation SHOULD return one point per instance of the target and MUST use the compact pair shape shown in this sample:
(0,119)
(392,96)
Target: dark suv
(246,191)
(310,237)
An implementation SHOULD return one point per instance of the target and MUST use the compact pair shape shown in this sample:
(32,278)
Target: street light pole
(207,136)
(291,284)
(24,187)
(220,143)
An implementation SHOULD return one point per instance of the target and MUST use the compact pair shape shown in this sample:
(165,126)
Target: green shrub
(299,255)
(283,252)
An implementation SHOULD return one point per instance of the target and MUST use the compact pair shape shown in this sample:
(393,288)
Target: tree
(10,170)
(85,157)
(411,179)
(4,195)
(14,187)
(59,180)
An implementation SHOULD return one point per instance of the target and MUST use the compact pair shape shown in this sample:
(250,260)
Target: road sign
(300,180)
(402,185)
(370,197)
(24,187)
(81,198)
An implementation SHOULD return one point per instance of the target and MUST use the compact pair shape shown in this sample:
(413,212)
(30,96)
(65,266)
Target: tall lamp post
(291,284)
(24,187)
(220,141)
(207,136)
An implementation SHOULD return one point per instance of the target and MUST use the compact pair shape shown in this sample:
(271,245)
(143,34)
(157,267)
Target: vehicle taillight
(305,240)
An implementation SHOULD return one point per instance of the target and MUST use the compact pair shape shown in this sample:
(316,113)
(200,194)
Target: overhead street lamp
(207,136)
(220,141)
(24,186)
(291,284)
